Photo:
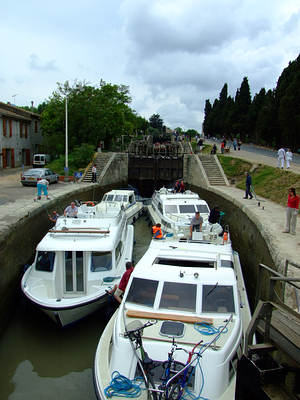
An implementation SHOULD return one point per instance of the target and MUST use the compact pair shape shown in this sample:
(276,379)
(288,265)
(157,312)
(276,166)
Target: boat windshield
(45,261)
(179,296)
(171,209)
(186,208)
(119,197)
(185,263)
(101,261)
(142,292)
(217,298)
(202,208)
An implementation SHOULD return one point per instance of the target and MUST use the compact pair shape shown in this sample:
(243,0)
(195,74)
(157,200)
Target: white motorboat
(174,211)
(127,200)
(183,294)
(77,261)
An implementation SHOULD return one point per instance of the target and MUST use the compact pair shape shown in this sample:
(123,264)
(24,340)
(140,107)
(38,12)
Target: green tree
(156,122)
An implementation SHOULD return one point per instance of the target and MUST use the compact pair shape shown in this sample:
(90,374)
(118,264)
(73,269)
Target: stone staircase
(213,170)
(100,161)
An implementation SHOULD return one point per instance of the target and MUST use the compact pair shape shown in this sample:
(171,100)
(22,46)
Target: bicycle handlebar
(132,332)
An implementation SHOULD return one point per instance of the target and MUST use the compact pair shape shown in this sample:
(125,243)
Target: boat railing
(81,231)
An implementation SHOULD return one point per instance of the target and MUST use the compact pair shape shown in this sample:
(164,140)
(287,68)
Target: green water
(40,361)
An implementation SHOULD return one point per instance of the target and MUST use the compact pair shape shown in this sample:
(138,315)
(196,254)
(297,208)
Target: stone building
(20,136)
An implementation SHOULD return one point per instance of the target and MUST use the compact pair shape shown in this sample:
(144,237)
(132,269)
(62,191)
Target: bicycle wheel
(172,391)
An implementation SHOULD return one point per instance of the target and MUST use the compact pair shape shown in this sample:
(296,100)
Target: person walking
(94,174)
(281,157)
(292,210)
(248,186)
(288,158)
(42,186)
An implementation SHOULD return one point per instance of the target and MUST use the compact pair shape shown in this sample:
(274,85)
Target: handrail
(77,231)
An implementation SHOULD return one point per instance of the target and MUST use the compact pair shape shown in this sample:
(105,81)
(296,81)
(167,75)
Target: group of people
(179,186)
(284,155)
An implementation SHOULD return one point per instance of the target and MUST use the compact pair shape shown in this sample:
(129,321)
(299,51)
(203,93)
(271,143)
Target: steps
(212,170)
(100,161)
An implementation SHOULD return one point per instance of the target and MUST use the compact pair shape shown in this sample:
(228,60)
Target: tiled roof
(14,115)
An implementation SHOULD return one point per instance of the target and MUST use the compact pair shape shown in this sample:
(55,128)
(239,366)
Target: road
(11,188)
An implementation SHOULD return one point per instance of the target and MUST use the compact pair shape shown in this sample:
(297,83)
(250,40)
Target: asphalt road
(12,189)
(267,152)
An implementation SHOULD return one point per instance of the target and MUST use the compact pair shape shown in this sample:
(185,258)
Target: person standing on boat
(42,186)
(157,232)
(118,291)
(176,186)
(214,216)
(196,223)
(292,210)
(71,211)
(181,187)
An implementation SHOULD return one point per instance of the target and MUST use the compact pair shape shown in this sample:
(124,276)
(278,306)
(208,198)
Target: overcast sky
(173,54)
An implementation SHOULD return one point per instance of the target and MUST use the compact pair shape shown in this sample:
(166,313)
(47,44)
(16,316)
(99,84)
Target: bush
(77,160)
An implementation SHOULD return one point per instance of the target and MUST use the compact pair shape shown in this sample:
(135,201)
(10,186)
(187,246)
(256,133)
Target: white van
(40,160)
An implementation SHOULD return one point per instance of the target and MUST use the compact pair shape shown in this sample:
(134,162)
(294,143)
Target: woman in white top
(288,157)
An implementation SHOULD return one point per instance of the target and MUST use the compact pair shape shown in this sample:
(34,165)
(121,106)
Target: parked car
(31,176)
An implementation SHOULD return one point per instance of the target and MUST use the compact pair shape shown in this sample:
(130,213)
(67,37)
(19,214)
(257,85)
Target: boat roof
(120,191)
(82,234)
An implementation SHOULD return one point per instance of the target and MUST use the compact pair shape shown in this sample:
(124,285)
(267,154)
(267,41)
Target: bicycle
(146,364)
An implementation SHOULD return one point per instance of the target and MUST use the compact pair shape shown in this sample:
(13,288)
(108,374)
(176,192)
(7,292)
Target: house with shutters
(20,136)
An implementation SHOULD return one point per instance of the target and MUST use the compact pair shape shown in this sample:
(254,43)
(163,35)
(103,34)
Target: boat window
(186,208)
(171,208)
(131,199)
(142,291)
(69,271)
(184,263)
(118,197)
(217,298)
(159,206)
(202,208)
(178,296)
(119,249)
(101,261)
(79,271)
(45,261)
(110,197)
(227,263)
(125,199)
(104,197)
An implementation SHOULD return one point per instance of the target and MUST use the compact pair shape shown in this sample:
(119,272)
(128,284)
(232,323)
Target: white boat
(175,210)
(176,287)
(127,200)
(77,261)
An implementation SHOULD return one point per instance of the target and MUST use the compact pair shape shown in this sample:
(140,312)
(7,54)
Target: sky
(173,54)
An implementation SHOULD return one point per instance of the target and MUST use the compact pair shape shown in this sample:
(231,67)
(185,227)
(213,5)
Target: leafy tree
(156,122)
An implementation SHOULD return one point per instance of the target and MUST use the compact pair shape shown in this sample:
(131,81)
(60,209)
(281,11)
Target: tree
(94,114)
(156,122)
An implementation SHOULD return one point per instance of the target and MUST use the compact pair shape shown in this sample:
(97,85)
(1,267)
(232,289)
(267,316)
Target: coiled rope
(207,330)
(123,387)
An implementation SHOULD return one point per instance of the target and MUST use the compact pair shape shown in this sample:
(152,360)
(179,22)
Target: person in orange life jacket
(157,232)
(118,291)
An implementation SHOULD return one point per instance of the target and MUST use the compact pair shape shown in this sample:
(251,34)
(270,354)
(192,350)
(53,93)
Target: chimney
(31,105)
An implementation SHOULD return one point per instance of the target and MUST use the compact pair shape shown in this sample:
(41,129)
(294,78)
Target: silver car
(31,176)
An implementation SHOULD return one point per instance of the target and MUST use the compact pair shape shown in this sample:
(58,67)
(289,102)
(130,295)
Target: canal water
(40,361)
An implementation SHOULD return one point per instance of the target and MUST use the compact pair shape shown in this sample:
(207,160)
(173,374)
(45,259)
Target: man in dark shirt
(214,216)
(248,186)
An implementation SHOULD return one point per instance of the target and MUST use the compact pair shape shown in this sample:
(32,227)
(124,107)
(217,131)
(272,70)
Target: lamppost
(66,144)
(14,97)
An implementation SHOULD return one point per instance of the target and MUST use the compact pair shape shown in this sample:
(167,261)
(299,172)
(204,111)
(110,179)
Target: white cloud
(174,54)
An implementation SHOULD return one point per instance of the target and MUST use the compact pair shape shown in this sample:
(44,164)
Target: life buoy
(89,203)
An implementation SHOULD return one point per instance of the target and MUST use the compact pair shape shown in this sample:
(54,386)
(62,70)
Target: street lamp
(66,145)
(14,97)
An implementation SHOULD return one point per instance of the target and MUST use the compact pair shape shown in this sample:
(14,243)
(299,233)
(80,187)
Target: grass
(268,182)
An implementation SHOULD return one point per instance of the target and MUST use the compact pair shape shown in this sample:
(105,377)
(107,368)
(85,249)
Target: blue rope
(188,394)
(207,330)
(122,386)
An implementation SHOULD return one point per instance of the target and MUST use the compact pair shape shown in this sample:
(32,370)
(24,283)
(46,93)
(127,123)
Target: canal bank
(256,228)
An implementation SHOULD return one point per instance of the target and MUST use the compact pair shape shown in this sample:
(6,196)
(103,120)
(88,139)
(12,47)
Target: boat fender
(89,203)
